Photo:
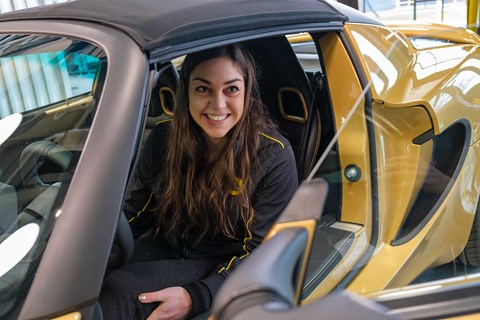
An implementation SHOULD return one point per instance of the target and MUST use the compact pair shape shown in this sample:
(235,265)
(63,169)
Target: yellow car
(383,120)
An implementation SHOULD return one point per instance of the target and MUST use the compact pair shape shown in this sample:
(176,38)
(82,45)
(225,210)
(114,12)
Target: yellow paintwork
(299,38)
(442,80)
(70,316)
(345,90)
(440,241)
(473,11)
(437,31)
(415,91)
(353,149)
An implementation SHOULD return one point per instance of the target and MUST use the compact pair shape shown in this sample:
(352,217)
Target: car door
(72,108)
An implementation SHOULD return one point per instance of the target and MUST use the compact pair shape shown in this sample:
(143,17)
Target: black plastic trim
(424,137)
(167,52)
(403,238)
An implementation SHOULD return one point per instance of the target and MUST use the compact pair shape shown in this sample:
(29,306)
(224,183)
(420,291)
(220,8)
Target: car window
(49,88)
(306,52)
(30,81)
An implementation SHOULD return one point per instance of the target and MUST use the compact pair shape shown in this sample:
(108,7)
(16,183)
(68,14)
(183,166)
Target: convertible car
(383,120)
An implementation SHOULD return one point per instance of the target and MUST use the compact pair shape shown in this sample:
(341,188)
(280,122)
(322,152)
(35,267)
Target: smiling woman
(211,181)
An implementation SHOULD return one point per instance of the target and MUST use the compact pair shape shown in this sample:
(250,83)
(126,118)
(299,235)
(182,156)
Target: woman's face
(216,97)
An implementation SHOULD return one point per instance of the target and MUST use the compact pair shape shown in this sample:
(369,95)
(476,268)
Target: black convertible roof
(154,22)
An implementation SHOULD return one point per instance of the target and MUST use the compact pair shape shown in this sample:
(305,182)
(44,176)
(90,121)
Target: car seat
(287,93)
(162,101)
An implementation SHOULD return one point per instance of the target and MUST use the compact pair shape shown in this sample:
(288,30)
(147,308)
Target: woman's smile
(216,117)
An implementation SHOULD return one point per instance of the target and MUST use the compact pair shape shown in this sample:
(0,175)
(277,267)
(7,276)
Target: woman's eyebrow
(208,82)
(201,79)
(233,80)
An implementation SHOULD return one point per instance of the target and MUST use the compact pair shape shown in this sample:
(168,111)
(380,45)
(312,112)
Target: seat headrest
(163,92)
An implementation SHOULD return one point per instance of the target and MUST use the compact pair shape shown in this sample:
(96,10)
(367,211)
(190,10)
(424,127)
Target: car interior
(293,89)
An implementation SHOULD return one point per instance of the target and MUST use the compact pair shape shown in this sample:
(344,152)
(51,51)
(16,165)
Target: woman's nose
(218,100)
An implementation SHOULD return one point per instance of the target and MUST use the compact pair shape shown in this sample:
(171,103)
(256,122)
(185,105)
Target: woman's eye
(201,89)
(233,89)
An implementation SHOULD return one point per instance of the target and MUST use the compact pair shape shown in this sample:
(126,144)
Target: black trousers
(121,287)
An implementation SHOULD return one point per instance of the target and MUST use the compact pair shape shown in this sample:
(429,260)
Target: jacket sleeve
(273,193)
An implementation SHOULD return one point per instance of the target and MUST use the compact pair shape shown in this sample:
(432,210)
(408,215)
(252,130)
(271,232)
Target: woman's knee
(119,299)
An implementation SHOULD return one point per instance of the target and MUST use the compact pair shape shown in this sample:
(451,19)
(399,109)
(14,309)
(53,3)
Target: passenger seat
(162,100)
(286,91)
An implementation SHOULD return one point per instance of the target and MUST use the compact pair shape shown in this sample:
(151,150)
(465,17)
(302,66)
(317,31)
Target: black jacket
(275,185)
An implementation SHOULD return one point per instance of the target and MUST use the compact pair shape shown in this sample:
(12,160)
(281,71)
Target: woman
(211,181)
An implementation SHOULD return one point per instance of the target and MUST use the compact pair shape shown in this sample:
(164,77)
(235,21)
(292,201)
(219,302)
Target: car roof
(153,23)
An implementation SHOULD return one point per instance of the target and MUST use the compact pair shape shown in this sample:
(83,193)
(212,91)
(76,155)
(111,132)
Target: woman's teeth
(215,117)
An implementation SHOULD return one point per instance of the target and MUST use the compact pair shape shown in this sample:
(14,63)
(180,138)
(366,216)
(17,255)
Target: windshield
(48,92)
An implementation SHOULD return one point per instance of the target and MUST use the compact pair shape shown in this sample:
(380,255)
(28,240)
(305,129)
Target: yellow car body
(415,92)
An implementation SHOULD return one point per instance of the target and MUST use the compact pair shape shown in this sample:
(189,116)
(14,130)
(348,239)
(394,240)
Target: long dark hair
(200,197)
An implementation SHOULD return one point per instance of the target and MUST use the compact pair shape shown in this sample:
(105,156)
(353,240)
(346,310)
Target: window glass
(48,93)
(29,81)
(305,50)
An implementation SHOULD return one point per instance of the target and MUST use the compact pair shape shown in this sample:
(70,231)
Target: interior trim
(300,119)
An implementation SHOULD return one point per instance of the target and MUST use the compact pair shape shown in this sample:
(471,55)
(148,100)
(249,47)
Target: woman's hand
(175,303)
